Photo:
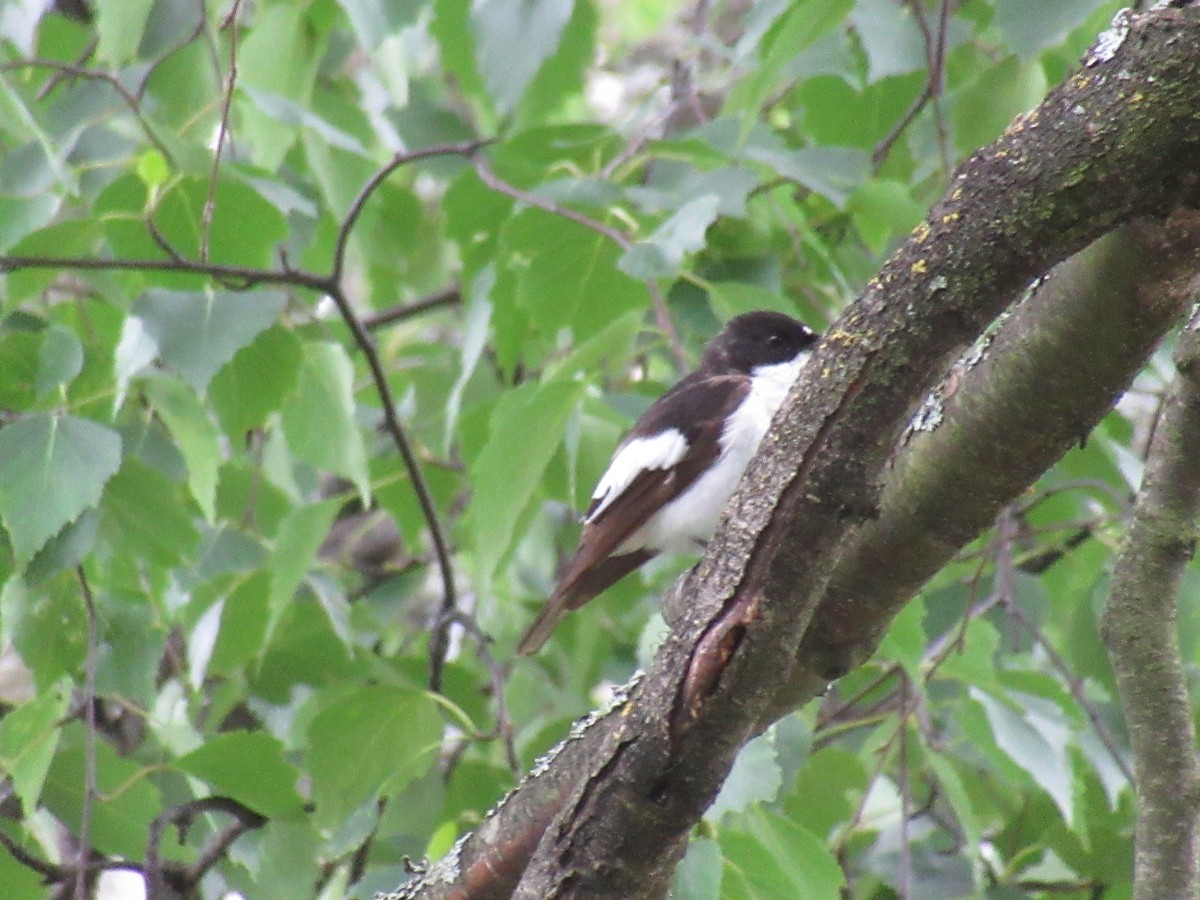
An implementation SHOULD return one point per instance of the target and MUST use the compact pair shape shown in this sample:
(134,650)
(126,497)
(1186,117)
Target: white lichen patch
(1111,39)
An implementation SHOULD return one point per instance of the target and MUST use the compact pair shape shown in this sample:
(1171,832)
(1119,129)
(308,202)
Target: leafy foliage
(198,442)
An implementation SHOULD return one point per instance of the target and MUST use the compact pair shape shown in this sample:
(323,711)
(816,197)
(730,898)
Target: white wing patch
(642,454)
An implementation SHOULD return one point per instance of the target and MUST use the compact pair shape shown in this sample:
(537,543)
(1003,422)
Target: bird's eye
(774,341)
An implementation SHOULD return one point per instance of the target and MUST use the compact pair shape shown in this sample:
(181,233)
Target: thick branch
(1139,628)
(1052,370)
(1087,159)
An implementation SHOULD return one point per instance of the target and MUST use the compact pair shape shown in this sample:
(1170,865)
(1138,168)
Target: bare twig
(89,738)
(246,275)
(80,71)
(201,23)
(499,676)
(404,157)
(447,296)
(210,201)
(661,314)
(157,886)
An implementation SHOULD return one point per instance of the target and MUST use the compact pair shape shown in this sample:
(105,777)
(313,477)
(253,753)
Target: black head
(756,339)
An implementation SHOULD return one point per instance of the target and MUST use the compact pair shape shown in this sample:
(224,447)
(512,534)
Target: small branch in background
(80,71)
(904,877)
(158,882)
(447,296)
(438,644)
(1139,628)
(201,24)
(462,148)
(89,738)
(499,676)
(223,133)
(662,315)
(931,93)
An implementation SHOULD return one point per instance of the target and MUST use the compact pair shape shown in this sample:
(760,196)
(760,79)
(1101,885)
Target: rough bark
(1139,629)
(1115,142)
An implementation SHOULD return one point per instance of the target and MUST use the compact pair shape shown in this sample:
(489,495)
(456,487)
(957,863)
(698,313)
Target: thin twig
(1074,685)
(201,23)
(462,148)
(49,871)
(447,296)
(661,314)
(210,201)
(219,271)
(89,738)
(182,815)
(95,75)
(484,170)
(499,676)
(366,343)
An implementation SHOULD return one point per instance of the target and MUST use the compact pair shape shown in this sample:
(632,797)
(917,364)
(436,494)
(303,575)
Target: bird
(670,477)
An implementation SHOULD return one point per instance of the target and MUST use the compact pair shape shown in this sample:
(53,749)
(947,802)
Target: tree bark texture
(808,536)
(1139,629)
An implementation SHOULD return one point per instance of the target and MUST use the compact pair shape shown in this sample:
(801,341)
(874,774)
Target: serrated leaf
(300,536)
(392,734)
(119,27)
(249,767)
(374,20)
(52,468)
(194,333)
(318,416)
(149,514)
(1028,26)
(661,254)
(755,778)
(195,435)
(510,465)
(126,804)
(778,858)
(28,739)
(255,382)
(60,359)
(500,26)
(1030,739)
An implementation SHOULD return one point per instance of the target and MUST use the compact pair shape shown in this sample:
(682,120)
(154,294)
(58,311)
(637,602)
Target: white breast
(686,523)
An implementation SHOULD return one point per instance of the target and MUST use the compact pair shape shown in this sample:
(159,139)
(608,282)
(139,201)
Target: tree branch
(1139,629)
(1087,160)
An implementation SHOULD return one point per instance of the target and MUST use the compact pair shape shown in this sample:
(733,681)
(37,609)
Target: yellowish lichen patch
(919,267)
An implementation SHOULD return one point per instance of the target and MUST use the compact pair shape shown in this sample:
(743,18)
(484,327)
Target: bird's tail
(539,630)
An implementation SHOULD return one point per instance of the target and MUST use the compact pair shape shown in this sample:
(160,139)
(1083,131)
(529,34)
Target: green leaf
(300,536)
(52,468)
(60,359)
(195,435)
(778,858)
(392,736)
(501,26)
(194,333)
(255,382)
(28,739)
(318,416)
(566,275)
(1028,26)
(249,767)
(279,57)
(755,778)
(890,37)
(985,109)
(1031,732)
(374,20)
(119,27)
(243,632)
(661,254)
(732,298)
(144,513)
(127,801)
(510,466)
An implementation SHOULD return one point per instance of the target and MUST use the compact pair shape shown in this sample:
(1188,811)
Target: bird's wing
(673,442)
